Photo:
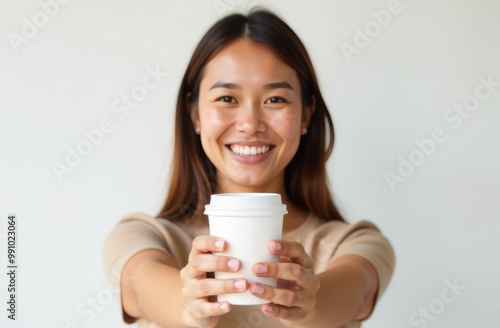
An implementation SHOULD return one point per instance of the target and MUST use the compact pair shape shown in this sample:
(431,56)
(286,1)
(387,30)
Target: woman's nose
(250,119)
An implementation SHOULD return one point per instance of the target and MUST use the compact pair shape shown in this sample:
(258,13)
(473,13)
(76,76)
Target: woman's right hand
(198,287)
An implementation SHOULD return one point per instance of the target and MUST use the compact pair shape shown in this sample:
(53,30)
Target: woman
(250,118)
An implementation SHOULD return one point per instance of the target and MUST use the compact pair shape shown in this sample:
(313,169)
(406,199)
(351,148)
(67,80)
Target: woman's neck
(295,217)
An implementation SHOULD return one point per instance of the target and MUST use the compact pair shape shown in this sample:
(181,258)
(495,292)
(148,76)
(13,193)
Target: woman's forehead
(244,61)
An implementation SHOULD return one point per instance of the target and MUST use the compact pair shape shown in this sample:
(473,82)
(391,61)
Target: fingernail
(240,284)
(219,244)
(257,289)
(268,308)
(276,246)
(233,264)
(260,268)
(224,307)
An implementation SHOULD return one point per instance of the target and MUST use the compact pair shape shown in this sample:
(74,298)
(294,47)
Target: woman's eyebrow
(225,85)
(269,86)
(278,85)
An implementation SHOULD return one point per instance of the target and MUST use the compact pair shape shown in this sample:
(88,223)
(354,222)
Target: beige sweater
(324,241)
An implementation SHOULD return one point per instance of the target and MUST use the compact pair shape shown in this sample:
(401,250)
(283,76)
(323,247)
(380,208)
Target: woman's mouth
(245,150)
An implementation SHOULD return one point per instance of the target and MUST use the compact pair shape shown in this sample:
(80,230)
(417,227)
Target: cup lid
(245,204)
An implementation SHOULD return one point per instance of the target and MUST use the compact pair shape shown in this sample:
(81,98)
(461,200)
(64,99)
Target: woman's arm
(151,288)
(347,292)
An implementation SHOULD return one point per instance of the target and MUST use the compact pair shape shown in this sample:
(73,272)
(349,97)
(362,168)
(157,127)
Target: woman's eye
(227,99)
(276,100)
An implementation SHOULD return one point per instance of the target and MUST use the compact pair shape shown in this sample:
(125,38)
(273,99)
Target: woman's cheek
(286,124)
(215,119)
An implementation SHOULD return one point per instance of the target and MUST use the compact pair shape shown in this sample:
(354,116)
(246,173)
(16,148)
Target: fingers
(288,314)
(206,313)
(295,295)
(287,271)
(284,297)
(293,250)
(208,287)
(205,244)
(295,264)
(286,304)
(203,263)
(202,309)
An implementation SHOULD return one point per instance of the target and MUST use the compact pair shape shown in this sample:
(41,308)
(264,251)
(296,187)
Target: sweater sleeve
(136,233)
(365,239)
(327,241)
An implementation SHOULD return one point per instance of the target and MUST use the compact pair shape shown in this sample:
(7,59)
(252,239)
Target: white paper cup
(248,222)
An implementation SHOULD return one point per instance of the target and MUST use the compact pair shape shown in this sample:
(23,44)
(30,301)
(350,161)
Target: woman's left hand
(295,296)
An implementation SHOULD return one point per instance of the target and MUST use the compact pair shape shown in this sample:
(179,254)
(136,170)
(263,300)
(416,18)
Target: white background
(443,220)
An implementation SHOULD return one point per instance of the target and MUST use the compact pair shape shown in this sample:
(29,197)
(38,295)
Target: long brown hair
(193,176)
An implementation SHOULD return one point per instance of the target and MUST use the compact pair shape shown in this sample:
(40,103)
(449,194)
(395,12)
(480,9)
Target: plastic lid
(245,204)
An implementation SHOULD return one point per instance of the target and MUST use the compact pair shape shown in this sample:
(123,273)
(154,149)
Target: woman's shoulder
(316,227)
(325,240)
(139,231)
(162,226)
(343,227)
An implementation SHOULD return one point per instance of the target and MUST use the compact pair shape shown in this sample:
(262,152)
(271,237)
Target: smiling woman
(248,113)
(250,117)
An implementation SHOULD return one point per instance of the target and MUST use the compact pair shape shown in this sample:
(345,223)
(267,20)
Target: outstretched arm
(348,291)
(151,288)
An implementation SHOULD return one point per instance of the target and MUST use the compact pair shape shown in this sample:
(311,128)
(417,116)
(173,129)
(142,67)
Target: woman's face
(250,117)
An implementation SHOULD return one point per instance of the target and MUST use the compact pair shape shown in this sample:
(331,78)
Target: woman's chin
(249,184)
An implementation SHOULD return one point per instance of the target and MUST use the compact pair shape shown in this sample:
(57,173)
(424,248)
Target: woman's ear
(193,111)
(307,113)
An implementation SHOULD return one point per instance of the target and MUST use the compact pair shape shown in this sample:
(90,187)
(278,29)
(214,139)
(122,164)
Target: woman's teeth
(249,151)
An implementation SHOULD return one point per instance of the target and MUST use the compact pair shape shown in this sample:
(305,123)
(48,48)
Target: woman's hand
(295,297)
(201,310)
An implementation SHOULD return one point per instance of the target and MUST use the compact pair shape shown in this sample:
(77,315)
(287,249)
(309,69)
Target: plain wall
(387,92)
